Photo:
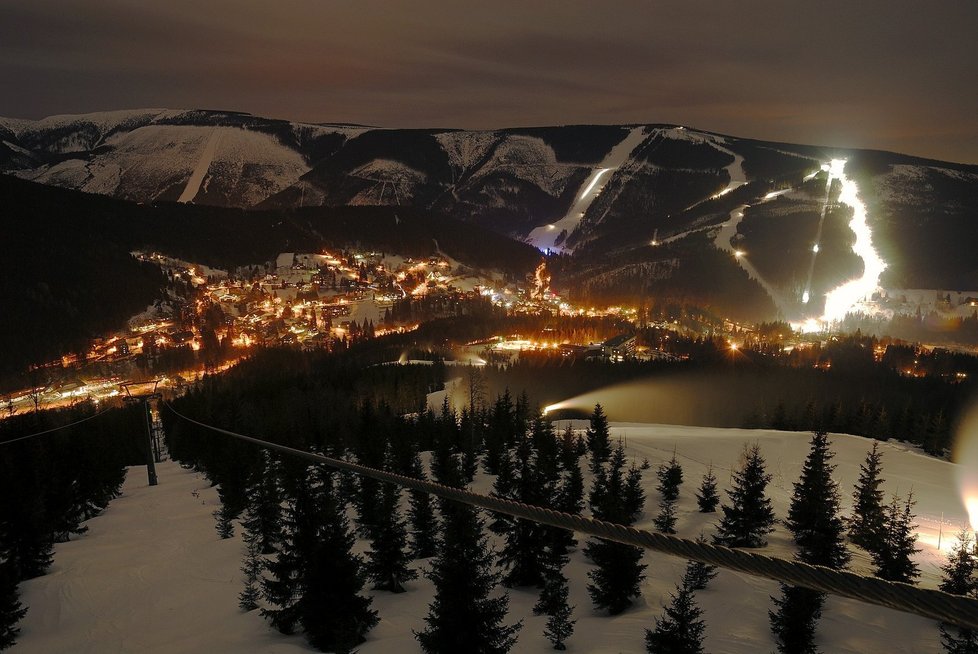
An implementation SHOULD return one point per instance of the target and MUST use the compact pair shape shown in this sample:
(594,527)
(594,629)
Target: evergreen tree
(698,575)
(598,438)
(387,560)
(670,476)
(813,517)
(894,558)
(11,610)
(568,448)
(254,566)
(680,630)
(463,617)
(559,625)
(619,569)
(524,540)
(707,497)
(961,578)
(263,514)
(666,520)
(749,518)
(793,622)
(421,514)
(315,579)
(867,523)
(225,525)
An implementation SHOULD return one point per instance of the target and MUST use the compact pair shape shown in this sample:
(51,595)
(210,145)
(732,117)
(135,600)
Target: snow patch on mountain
(392,182)
(466,149)
(531,159)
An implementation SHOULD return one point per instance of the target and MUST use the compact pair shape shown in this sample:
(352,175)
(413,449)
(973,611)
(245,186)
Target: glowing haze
(965,454)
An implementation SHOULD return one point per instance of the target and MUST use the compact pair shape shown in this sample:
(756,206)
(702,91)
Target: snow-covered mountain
(640,203)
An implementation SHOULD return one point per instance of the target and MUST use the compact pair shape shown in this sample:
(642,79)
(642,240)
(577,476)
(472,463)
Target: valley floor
(152,575)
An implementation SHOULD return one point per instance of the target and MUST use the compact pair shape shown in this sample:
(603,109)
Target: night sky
(899,76)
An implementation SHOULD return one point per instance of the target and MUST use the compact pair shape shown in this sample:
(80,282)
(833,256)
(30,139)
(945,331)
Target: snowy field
(151,575)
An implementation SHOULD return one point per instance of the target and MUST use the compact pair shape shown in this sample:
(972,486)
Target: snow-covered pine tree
(619,569)
(680,629)
(670,475)
(707,497)
(749,518)
(598,438)
(894,559)
(698,575)
(387,560)
(866,524)
(960,578)
(463,617)
(11,610)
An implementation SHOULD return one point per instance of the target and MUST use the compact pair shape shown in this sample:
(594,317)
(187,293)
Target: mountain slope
(677,187)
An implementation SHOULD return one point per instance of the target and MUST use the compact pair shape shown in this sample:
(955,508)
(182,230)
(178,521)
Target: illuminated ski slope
(545,237)
(843,299)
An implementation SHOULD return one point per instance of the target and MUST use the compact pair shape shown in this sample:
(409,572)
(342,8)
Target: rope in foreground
(925,602)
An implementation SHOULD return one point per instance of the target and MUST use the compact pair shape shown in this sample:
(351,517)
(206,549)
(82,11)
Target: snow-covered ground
(153,576)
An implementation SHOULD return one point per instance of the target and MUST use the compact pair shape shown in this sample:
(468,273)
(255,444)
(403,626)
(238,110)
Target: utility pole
(144,392)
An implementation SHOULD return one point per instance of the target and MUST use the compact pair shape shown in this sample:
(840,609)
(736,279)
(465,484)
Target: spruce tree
(961,578)
(707,497)
(813,517)
(225,525)
(894,558)
(253,567)
(524,540)
(794,620)
(315,579)
(387,560)
(463,617)
(665,521)
(619,569)
(867,522)
(598,438)
(11,610)
(670,476)
(559,625)
(680,630)
(749,518)
(263,514)
(421,514)
(698,575)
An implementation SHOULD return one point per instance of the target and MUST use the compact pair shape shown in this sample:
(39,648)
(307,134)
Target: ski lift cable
(54,429)
(926,602)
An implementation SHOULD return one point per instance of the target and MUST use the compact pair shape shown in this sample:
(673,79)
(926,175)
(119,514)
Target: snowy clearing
(153,576)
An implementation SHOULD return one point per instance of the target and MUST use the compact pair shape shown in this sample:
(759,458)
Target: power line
(926,602)
(54,429)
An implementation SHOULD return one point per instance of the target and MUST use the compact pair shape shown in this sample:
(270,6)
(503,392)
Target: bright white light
(810,326)
(815,248)
(964,452)
(594,182)
(841,300)
(804,297)
(738,253)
